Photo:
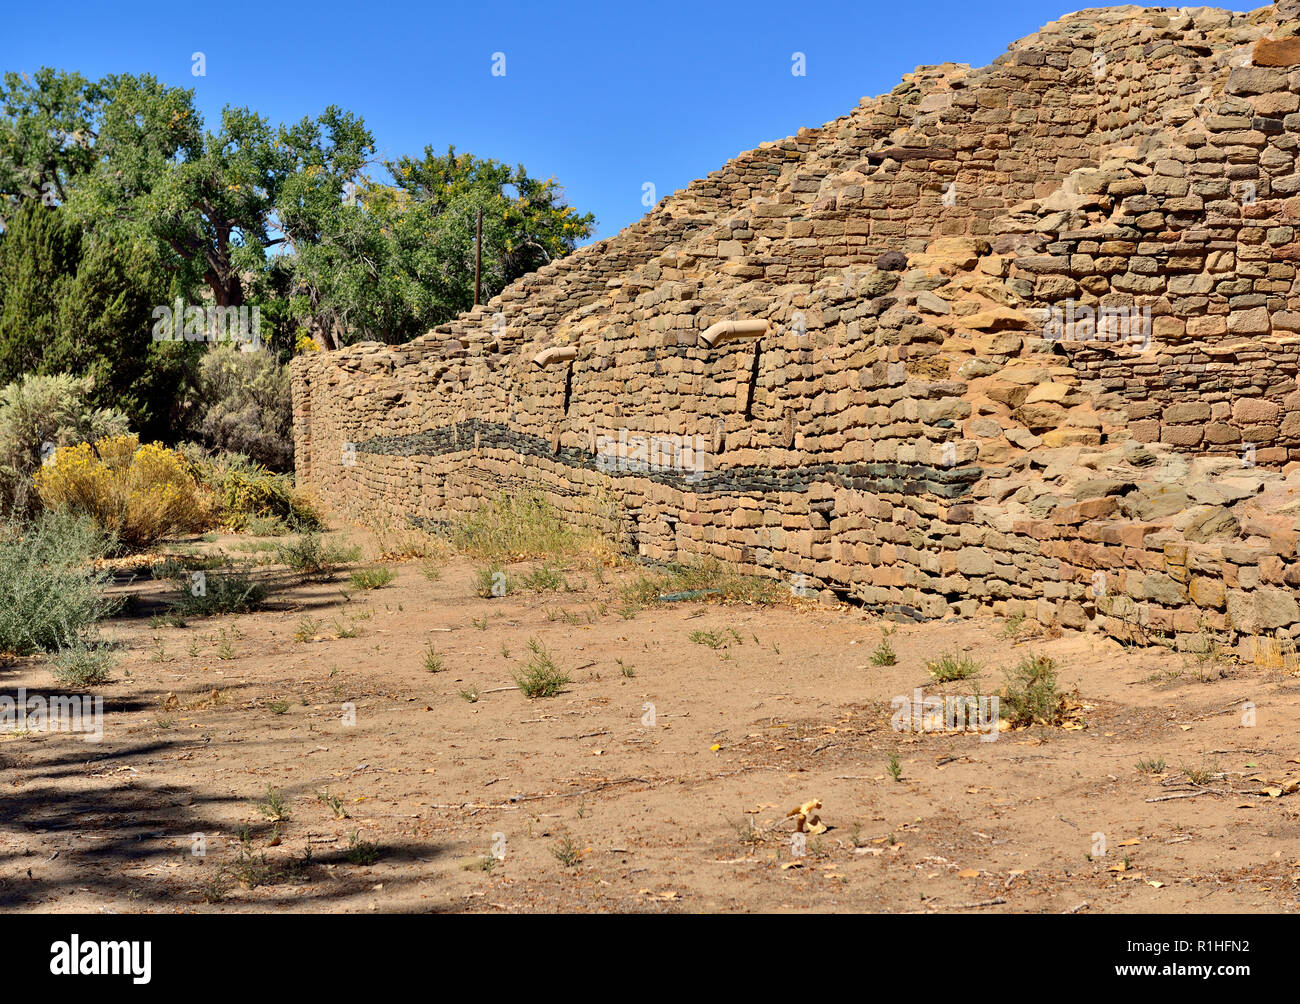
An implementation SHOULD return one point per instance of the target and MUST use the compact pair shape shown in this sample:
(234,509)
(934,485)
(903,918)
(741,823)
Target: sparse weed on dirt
(716,639)
(175,565)
(1031,694)
(1202,774)
(491,582)
(540,677)
(566,852)
(479,863)
(307,629)
(433,662)
(210,593)
(952,666)
(362,852)
(710,580)
(312,558)
(253,870)
(266,526)
(545,579)
(884,654)
(333,803)
(515,527)
(747,832)
(275,808)
(256,547)
(215,889)
(400,542)
(372,578)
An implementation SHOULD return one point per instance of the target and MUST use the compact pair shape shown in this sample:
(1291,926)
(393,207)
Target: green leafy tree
(46,136)
(526,221)
(105,332)
(395,260)
(348,285)
(286,216)
(215,201)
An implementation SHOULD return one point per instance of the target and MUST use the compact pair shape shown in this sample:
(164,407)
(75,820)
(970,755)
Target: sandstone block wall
(910,429)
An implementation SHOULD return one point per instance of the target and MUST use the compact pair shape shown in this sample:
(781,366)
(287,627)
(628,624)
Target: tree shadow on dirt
(144,598)
(74,821)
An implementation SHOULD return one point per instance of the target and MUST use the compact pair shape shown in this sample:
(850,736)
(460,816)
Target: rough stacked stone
(911,431)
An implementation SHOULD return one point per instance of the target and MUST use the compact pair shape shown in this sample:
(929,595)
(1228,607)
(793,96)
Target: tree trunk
(223,280)
(227,290)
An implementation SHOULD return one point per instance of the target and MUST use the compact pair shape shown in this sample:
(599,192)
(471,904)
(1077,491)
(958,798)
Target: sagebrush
(51,591)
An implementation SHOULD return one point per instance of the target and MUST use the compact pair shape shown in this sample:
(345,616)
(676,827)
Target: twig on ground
(963,906)
(1188,794)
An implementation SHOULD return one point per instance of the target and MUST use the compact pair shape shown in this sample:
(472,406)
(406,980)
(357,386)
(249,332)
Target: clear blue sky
(603,96)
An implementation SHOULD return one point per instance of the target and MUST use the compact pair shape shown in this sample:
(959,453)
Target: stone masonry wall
(915,428)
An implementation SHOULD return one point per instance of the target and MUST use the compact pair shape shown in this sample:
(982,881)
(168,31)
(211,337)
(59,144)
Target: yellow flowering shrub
(139,493)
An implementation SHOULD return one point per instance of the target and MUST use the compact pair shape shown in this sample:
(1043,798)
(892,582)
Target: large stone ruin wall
(929,423)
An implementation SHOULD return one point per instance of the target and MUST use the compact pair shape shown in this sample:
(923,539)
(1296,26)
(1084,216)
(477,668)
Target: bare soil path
(658,780)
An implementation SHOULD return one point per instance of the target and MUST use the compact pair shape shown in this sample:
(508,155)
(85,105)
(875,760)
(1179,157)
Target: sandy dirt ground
(658,780)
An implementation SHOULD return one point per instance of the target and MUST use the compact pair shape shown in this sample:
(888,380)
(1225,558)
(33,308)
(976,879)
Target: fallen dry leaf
(806,819)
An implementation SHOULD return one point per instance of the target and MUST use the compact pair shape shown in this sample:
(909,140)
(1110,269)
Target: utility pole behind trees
(478,254)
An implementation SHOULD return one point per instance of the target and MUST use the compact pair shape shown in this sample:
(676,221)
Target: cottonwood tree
(217,201)
(393,260)
(46,136)
(526,222)
(288,214)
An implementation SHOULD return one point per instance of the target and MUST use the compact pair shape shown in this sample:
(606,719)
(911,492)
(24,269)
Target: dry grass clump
(517,527)
(706,580)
